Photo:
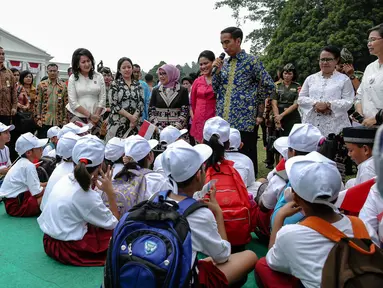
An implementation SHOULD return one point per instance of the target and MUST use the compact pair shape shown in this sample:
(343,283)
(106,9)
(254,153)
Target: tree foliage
(185,69)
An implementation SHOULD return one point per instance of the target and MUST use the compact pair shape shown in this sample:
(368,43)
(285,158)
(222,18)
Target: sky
(146,31)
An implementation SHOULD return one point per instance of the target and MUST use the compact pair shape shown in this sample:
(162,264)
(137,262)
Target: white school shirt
(22,177)
(370,91)
(157,165)
(63,169)
(273,190)
(245,168)
(205,237)
(372,208)
(85,92)
(337,90)
(366,171)
(69,209)
(156,182)
(5,158)
(48,151)
(300,251)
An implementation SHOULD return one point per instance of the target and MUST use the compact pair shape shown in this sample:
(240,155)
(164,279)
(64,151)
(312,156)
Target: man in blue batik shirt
(147,93)
(241,84)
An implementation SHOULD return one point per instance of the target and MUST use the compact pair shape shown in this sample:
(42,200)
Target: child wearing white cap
(21,187)
(184,164)
(296,249)
(50,149)
(114,151)
(79,129)
(242,163)
(139,156)
(81,238)
(168,135)
(5,158)
(237,207)
(64,149)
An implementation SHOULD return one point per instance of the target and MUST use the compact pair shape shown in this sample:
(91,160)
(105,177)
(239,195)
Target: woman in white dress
(369,98)
(326,96)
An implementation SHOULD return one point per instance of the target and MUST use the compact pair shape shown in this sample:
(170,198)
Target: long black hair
(76,62)
(83,175)
(119,64)
(126,174)
(218,152)
(24,74)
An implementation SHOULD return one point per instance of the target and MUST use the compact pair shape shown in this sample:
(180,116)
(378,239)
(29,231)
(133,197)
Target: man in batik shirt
(241,84)
(52,97)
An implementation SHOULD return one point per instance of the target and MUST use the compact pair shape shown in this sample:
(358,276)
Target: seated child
(139,156)
(184,165)
(114,151)
(64,149)
(21,188)
(50,148)
(359,141)
(242,163)
(168,135)
(81,238)
(5,158)
(79,130)
(296,250)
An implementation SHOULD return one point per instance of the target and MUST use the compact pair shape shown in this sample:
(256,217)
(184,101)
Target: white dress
(370,92)
(337,90)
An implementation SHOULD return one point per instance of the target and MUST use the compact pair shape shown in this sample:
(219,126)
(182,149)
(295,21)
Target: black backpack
(45,168)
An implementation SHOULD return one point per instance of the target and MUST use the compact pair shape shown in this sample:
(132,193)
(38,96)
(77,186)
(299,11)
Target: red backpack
(232,197)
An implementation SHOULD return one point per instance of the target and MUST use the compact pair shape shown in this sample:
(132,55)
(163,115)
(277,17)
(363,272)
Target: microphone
(222,56)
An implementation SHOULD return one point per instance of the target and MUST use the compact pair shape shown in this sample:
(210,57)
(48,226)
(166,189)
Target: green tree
(153,71)
(307,26)
(266,12)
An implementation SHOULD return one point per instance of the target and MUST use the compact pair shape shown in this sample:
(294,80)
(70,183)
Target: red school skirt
(209,276)
(89,251)
(24,205)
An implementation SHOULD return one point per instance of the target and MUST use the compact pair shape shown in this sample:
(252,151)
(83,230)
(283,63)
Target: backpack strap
(189,205)
(330,232)
(358,228)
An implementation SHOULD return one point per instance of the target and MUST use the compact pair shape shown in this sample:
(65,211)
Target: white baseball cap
(71,127)
(65,145)
(53,132)
(27,142)
(171,134)
(304,138)
(282,146)
(137,147)
(114,149)
(4,128)
(235,139)
(90,150)
(314,176)
(219,127)
(181,161)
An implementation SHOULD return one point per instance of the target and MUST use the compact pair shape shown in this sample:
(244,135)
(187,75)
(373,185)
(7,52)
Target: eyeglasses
(373,39)
(162,73)
(323,60)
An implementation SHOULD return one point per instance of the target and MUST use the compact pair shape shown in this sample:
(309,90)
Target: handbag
(24,121)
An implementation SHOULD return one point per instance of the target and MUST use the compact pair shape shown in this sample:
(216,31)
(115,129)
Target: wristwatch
(352,77)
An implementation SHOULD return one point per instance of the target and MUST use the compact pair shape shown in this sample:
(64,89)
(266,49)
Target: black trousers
(42,131)
(249,148)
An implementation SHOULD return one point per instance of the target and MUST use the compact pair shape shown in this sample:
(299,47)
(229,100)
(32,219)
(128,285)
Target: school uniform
(366,171)
(60,171)
(5,161)
(49,150)
(19,187)
(82,237)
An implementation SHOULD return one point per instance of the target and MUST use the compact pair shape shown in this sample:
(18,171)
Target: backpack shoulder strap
(324,228)
(189,205)
(358,228)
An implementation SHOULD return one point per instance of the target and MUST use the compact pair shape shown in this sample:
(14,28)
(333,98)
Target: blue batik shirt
(241,85)
(147,93)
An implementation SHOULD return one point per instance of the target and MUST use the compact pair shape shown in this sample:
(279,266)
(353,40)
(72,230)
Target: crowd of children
(94,184)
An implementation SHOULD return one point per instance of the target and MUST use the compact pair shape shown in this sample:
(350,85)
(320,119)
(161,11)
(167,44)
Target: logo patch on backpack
(150,247)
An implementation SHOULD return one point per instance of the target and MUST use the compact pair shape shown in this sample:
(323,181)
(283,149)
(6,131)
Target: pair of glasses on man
(323,60)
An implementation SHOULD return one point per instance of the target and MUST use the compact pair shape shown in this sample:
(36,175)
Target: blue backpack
(151,246)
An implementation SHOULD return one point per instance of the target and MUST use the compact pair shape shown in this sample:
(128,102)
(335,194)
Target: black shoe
(271,167)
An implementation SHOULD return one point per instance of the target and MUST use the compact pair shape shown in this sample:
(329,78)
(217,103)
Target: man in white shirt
(296,249)
(21,188)
(184,165)
(64,149)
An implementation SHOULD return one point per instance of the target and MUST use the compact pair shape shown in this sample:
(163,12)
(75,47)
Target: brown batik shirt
(50,103)
(8,93)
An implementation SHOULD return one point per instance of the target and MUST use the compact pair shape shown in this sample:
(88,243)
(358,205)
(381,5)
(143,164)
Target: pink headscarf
(173,74)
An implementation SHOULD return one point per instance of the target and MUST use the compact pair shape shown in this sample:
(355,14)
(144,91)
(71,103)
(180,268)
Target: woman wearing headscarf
(169,104)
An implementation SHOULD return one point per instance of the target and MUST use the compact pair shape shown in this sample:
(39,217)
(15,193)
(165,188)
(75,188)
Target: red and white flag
(15,64)
(353,199)
(34,67)
(147,129)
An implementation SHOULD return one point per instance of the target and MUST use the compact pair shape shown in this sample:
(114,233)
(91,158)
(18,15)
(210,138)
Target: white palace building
(24,56)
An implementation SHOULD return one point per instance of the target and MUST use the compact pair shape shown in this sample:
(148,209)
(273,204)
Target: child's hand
(211,202)
(104,182)
(289,209)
